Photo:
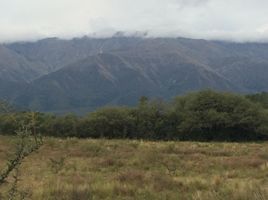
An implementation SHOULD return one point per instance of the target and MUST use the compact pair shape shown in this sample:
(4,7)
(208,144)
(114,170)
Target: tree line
(205,116)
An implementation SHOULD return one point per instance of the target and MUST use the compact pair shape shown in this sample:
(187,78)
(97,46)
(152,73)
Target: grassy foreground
(122,169)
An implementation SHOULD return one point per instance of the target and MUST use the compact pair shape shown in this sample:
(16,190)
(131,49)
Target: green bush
(109,123)
(205,115)
(210,115)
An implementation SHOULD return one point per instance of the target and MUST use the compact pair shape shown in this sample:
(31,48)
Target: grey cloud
(239,20)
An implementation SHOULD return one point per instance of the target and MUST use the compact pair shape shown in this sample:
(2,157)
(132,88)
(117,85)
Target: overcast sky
(240,20)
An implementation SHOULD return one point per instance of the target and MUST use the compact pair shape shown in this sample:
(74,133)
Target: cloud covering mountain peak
(238,20)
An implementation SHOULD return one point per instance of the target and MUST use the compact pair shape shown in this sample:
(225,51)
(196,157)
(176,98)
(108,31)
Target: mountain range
(82,74)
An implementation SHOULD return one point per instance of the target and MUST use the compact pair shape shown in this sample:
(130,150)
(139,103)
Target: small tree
(28,142)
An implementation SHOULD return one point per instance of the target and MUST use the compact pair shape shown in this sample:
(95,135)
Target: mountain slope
(85,73)
(16,71)
(116,79)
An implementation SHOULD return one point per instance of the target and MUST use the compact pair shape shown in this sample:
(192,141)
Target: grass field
(122,169)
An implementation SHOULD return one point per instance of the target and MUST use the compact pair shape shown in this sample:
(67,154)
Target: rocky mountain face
(85,73)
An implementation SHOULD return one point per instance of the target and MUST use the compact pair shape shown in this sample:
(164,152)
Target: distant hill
(85,73)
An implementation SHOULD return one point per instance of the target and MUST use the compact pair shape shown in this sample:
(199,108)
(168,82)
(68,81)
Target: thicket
(260,98)
(205,115)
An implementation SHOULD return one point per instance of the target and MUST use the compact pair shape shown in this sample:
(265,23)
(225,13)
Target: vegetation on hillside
(204,115)
(261,98)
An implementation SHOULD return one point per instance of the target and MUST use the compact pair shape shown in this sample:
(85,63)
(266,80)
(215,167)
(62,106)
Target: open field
(123,169)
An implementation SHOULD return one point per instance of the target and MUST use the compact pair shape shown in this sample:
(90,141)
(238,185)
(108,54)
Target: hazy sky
(240,20)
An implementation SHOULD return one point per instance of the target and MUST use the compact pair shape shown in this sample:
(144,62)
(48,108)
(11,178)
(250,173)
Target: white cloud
(238,20)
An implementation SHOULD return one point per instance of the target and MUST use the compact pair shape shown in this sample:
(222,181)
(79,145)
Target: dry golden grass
(122,169)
